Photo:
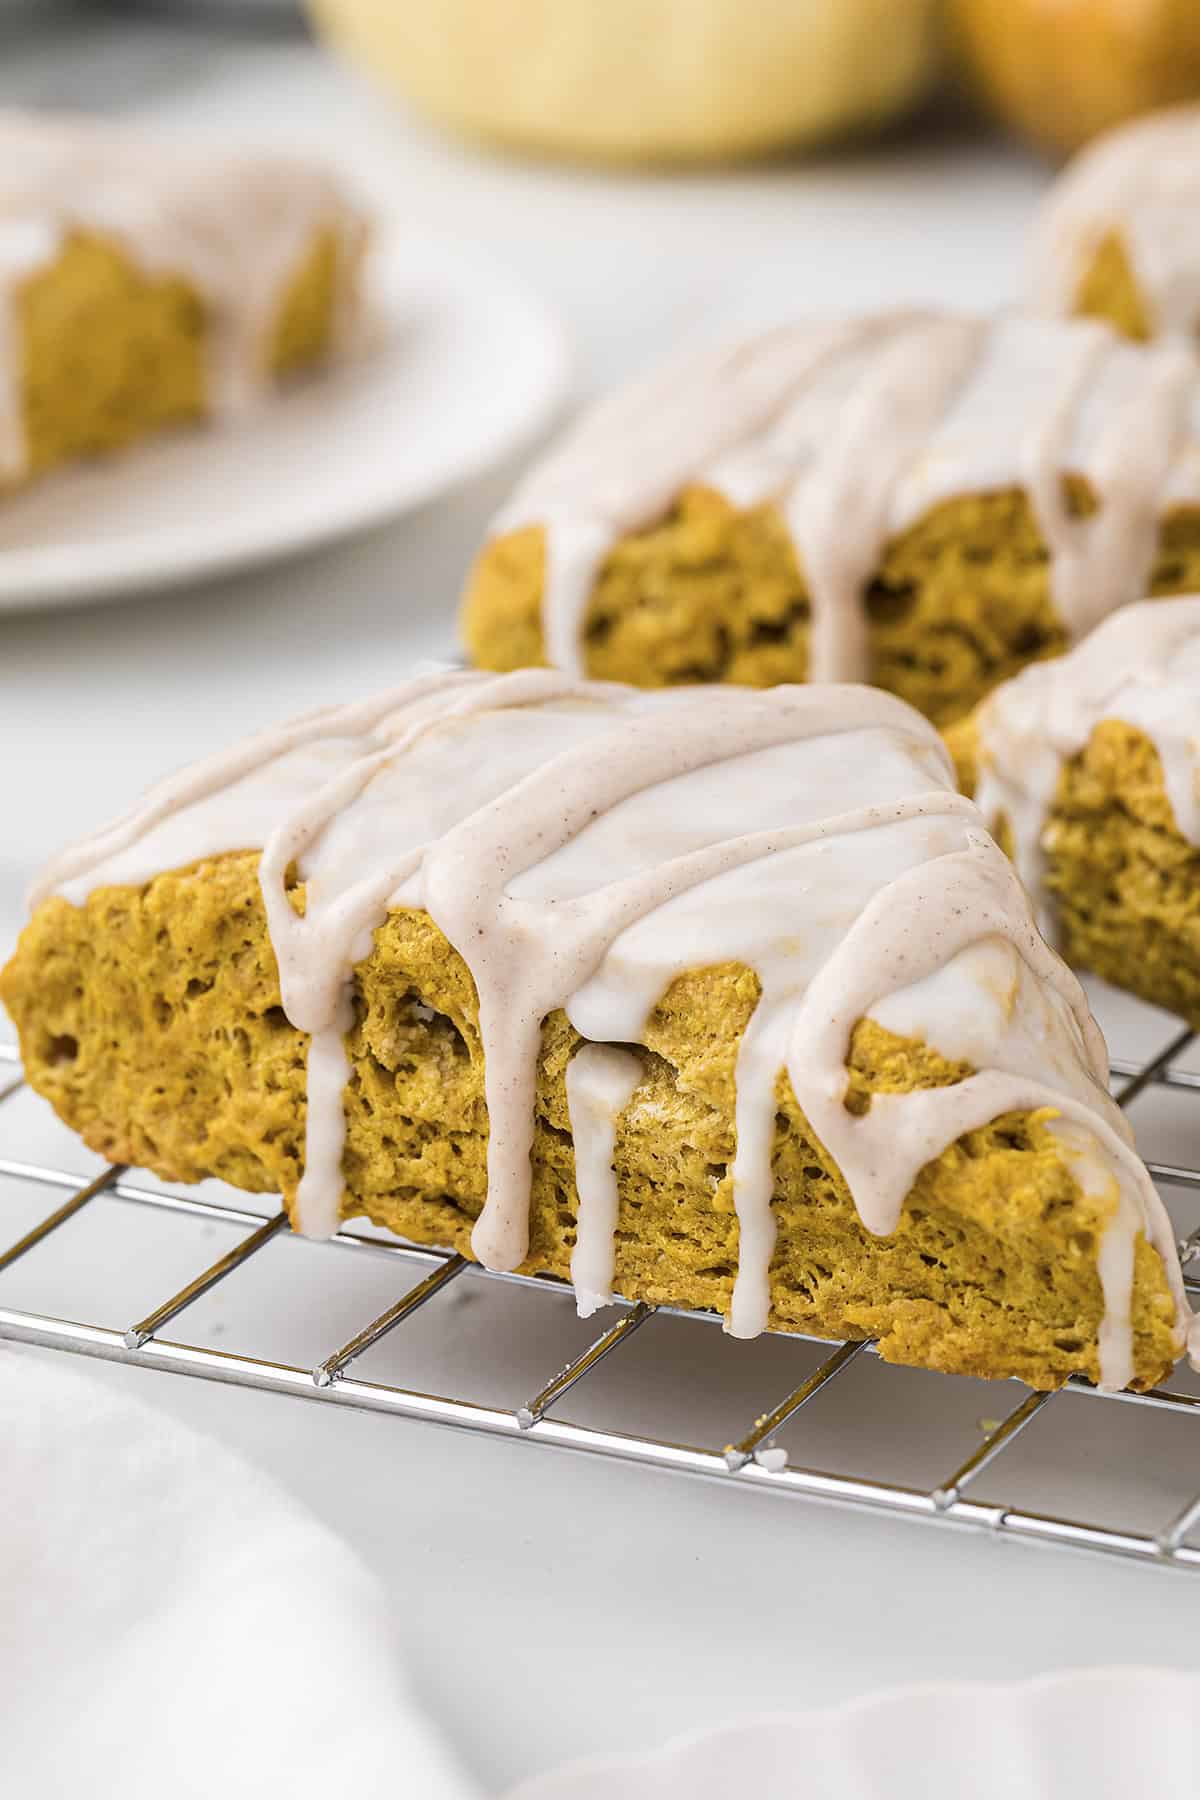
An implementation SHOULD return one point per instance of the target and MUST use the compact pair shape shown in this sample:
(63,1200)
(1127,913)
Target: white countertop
(552,1604)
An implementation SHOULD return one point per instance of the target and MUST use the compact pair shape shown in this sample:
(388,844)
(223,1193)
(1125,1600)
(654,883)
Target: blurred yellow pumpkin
(645,80)
(1060,71)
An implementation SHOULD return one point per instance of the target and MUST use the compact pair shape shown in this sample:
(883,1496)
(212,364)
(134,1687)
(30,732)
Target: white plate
(1098,1734)
(466,366)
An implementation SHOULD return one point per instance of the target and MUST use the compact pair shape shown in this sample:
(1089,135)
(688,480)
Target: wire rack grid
(755,1462)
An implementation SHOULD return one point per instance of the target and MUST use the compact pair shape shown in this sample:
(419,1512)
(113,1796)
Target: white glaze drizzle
(855,430)
(581,844)
(1102,560)
(601,1079)
(1143,183)
(236,227)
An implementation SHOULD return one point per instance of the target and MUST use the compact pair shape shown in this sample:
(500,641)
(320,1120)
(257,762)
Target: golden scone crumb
(1108,289)
(1123,880)
(712,593)
(151,1019)
(110,352)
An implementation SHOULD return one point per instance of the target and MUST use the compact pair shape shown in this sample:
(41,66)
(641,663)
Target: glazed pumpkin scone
(147,283)
(1117,237)
(1088,770)
(724,1000)
(927,502)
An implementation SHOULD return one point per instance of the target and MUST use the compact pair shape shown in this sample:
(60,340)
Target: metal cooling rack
(755,1463)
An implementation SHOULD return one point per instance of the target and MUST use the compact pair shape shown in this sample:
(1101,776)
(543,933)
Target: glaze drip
(601,1079)
(236,228)
(855,430)
(583,844)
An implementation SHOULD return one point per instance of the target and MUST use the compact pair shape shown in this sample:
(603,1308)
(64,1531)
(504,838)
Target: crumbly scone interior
(152,1020)
(712,593)
(111,351)
(1121,878)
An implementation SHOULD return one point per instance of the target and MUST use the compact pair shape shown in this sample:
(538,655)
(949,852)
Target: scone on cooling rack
(718,999)
(1117,234)
(924,501)
(148,283)
(1088,771)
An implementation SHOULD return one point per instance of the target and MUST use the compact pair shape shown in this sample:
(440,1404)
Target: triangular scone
(147,282)
(452,957)
(1116,235)
(920,500)
(1088,770)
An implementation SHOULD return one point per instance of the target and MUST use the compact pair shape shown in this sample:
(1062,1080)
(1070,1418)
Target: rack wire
(755,1462)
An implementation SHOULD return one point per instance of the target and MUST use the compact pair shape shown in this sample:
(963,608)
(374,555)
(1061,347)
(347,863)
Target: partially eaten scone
(146,283)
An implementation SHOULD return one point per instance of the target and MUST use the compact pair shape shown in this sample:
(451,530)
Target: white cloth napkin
(173,1624)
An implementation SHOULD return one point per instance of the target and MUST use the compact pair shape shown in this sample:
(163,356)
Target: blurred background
(644,81)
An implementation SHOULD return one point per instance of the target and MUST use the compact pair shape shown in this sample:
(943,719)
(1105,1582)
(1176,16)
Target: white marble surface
(552,1605)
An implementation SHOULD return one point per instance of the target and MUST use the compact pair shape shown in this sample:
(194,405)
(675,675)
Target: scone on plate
(148,283)
(718,999)
(1117,236)
(924,501)
(1088,770)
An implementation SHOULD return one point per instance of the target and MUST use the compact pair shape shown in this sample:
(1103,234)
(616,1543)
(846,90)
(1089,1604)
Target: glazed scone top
(1141,668)
(856,429)
(582,844)
(1142,183)
(235,226)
